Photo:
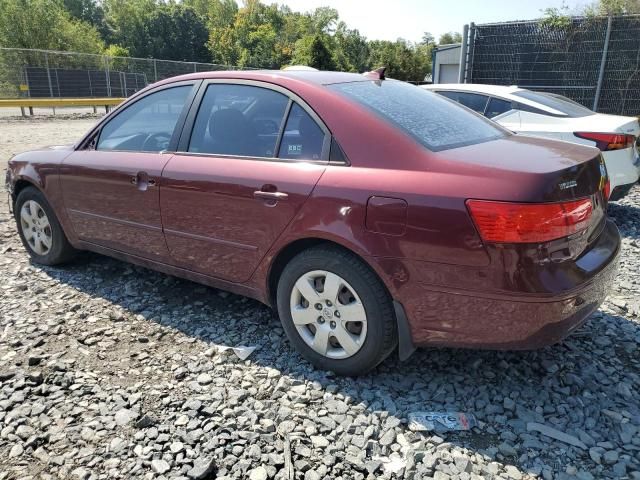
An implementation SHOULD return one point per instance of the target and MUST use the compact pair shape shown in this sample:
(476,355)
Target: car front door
(248,158)
(110,185)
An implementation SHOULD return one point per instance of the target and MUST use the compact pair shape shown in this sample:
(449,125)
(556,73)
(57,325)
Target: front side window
(147,125)
(302,138)
(497,106)
(241,120)
(431,120)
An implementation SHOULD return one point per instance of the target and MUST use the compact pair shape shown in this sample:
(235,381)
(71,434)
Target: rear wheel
(336,311)
(40,230)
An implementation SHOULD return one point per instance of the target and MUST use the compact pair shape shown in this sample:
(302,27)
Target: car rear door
(249,156)
(110,184)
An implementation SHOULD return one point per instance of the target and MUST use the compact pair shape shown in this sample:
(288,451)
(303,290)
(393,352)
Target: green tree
(352,47)
(91,12)
(450,37)
(252,39)
(404,61)
(176,32)
(116,51)
(313,50)
(127,19)
(45,24)
(428,38)
(613,7)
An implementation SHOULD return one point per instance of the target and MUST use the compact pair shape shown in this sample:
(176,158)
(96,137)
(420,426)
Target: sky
(409,19)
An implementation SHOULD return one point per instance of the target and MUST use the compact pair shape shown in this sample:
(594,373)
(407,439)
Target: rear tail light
(608,141)
(502,222)
(606,190)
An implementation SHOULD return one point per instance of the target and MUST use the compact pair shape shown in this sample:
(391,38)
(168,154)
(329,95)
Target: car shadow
(569,386)
(627,217)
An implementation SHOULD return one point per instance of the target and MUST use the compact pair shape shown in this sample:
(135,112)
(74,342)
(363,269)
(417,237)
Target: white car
(554,116)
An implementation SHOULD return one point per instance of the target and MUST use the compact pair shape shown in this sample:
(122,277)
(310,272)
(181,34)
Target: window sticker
(294,150)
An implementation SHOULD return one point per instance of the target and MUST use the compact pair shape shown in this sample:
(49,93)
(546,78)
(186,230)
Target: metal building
(446,63)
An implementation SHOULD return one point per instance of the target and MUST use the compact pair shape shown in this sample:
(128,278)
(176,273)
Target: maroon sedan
(371,213)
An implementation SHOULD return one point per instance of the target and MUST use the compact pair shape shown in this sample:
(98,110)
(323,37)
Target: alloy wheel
(328,314)
(36,227)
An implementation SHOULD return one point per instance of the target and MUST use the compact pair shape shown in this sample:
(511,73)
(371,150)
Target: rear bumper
(621,166)
(620,191)
(452,317)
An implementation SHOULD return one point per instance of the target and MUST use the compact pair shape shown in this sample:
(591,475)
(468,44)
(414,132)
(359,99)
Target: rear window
(435,122)
(557,102)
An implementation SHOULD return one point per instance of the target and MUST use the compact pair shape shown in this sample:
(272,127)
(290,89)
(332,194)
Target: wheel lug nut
(337,314)
(320,320)
(333,324)
(318,306)
(328,303)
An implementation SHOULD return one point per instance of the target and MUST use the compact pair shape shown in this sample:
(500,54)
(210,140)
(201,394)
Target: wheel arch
(20,184)
(293,248)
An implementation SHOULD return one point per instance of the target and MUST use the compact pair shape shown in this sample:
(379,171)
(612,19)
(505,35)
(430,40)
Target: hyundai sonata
(374,215)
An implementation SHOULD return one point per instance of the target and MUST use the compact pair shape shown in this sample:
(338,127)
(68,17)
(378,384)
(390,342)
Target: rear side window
(430,119)
(474,101)
(557,102)
(240,120)
(147,125)
(302,138)
(497,106)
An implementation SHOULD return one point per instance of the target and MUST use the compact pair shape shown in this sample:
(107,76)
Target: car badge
(569,184)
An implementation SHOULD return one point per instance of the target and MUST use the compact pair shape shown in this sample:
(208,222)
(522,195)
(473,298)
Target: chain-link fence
(592,60)
(53,74)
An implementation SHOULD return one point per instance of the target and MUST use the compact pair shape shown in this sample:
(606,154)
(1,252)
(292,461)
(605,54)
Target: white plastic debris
(241,351)
(392,464)
(441,421)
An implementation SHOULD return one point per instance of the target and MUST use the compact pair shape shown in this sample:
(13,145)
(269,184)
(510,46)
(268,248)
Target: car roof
(307,76)
(476,87)
(503,91)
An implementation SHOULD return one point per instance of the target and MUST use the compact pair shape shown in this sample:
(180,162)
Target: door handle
(270,195)
(142,181)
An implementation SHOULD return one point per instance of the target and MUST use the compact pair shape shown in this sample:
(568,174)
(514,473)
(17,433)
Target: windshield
(432,120)
(557,102)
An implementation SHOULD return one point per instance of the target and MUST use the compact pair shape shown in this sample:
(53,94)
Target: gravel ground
(113,371)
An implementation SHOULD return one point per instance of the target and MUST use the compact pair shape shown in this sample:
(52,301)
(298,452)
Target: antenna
(377,74)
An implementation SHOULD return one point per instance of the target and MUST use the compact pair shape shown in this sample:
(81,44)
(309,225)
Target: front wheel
(40,230)
(336,311)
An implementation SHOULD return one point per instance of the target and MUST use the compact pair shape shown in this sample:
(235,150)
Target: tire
(361,294)
(40,230)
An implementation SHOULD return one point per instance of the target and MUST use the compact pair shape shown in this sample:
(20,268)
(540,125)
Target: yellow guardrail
(29,103)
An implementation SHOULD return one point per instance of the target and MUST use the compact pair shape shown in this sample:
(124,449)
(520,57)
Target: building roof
(448,46)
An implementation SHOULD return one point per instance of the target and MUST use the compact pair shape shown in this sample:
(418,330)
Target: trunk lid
(529,169)
(601,122)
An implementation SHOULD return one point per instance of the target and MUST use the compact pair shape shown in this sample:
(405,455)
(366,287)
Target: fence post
(463,54)
(470,49)
(107,76)
(46,61)
(155,70)
(603,62)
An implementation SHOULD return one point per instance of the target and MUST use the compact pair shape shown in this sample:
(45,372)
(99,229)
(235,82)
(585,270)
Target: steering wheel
(266,126)
(156,142)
